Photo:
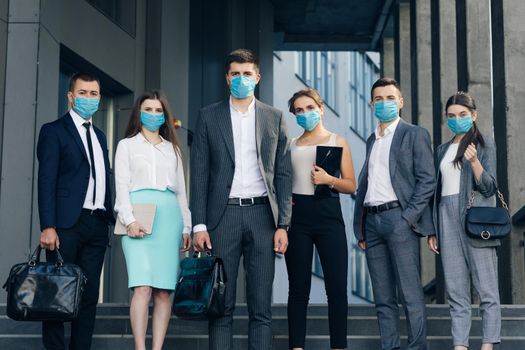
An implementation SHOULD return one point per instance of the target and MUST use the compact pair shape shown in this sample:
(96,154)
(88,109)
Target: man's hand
(135,230)
(186,242)
(362,244)
(49,239)
(432,244)
(280,241)
(201,239)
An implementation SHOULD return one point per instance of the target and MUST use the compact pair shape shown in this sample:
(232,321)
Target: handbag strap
(500,196)
(35,257)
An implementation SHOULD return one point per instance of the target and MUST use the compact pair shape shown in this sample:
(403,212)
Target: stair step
(240,342)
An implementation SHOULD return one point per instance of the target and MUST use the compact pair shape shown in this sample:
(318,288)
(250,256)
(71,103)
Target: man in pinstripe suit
(241,196)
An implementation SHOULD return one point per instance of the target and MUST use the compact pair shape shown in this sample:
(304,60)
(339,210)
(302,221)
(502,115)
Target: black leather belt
(94,212)
(382,207)
(247,202)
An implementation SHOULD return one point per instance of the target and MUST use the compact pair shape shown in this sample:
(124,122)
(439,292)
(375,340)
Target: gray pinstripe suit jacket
(213,163)
(486,188)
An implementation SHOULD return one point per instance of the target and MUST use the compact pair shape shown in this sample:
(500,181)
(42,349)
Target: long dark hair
(167,130)
(473,135)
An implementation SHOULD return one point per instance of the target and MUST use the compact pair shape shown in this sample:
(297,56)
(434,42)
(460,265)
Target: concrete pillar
(423,93)
(447,60)
(509,128)
(18,130)
(403,37)
(388,68)
(479,60)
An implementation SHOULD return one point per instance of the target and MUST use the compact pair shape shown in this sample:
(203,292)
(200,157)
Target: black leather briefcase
(44,291)
(200,291)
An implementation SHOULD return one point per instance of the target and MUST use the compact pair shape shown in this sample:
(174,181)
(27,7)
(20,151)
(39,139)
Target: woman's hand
(432,244)
(320,177)
(135,230)
(186,242)
(471,154)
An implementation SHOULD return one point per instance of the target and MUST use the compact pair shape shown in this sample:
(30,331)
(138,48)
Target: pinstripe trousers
(246,231)
(461,262)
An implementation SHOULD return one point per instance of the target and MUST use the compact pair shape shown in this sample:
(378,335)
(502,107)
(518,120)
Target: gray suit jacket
(213,163)
(412,177)
(486,188)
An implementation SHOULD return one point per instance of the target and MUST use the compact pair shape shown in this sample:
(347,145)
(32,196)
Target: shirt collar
(77,119)
(389,130)
(141,138)
(250,107)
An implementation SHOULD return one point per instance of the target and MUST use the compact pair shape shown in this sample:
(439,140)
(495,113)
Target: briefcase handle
(208,253)
(35,257)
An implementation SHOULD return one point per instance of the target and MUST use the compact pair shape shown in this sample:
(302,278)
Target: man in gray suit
(391,210)
(241,196)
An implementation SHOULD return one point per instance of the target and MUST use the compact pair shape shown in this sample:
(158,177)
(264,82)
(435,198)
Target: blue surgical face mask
(86,106)
(386,111)
(308,120)
(460,125)
(152,122)
(242,87)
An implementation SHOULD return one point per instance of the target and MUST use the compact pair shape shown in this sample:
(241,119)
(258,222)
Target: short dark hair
(384,82)
(82,76)
(308,92)
(242,56)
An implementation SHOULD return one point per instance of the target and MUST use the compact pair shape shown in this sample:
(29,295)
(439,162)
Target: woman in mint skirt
(148,169)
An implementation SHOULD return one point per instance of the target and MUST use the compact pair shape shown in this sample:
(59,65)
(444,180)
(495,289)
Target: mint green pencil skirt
(154,260)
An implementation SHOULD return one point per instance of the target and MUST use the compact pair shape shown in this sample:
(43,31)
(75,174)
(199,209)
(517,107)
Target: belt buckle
(252,202)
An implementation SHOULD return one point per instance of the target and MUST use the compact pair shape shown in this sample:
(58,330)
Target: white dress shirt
(380,188)
(100,168)
(450,175)
(142,165)
(247,181)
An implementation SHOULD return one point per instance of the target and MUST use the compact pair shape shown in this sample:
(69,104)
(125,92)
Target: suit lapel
(225,126)
(72,129)
(261,125)
(394,148)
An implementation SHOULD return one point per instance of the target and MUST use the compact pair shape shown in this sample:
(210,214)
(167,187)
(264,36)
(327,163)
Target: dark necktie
(92,159)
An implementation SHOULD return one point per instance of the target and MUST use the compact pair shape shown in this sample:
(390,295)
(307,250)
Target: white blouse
(303,159)
(142,165)
(450,175)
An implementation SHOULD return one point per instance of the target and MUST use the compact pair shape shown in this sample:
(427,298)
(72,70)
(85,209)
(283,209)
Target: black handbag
(44,291)
(488,222)
(201,288)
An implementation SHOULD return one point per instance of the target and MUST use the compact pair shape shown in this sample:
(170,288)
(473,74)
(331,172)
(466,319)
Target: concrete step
(125,342)
(113,331)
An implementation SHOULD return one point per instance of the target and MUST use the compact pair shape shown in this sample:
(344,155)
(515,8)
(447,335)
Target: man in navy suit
(74,202)
(392,211)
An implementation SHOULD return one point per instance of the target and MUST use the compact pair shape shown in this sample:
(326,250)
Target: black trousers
(319,222)
(83,244)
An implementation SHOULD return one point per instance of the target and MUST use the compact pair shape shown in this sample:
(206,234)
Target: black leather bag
(488,223)
(200,291)
(44,291)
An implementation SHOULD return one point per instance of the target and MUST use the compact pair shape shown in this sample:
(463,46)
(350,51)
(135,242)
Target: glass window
(121,12)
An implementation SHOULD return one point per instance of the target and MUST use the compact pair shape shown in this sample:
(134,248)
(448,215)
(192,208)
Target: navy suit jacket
(412,175)
(63,174)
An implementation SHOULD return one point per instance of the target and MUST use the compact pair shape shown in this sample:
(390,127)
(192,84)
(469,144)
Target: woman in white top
(466,167)
(317,220)
(148,169)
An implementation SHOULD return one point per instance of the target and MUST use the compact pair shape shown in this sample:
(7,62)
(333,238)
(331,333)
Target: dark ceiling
(330,24)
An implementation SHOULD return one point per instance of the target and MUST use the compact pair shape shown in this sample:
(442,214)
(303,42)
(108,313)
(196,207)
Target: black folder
(328,158)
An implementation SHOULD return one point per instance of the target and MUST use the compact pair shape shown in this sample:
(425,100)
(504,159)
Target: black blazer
(63,174)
